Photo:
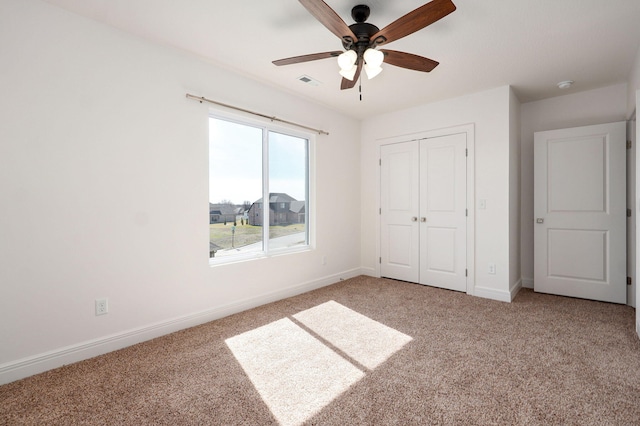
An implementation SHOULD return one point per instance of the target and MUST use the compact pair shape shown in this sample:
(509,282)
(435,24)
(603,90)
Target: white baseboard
(493,294)
(527,282)
(370,272)
(515,289)
(29,366)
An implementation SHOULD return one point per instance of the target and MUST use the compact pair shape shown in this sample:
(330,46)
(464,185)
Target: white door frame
(636,209)
(632,222)
(469,129)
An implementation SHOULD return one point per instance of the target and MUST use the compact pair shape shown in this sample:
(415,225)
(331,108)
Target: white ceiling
(528,44)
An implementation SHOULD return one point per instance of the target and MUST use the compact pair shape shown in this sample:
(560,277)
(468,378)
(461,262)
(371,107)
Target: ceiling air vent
(308,80)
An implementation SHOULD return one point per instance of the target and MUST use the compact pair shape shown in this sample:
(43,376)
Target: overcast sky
(235,163)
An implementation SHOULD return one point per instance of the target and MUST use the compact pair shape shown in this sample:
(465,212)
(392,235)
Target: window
(258,188)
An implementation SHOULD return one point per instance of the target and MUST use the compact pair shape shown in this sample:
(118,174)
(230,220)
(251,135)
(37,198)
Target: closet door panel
(443,212)
(399,236)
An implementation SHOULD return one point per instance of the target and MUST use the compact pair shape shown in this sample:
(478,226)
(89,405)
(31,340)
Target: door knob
(414,219)
(539,220)
(423,219)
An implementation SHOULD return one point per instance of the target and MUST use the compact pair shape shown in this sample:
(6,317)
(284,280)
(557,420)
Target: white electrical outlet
(492,268)
(102,306)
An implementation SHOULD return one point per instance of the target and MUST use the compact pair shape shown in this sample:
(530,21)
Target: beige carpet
(363,351)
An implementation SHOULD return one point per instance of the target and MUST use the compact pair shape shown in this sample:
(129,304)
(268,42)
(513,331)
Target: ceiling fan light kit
(350,73)
(347,60)
(360,40)
(373,57)
(371,71)
(373,60)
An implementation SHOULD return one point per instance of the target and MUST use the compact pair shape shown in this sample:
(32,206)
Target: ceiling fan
(360,40)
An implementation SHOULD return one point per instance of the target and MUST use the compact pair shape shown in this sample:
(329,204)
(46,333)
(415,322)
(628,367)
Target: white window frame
(310,222)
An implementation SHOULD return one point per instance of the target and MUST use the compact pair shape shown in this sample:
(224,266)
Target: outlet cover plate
(102,307)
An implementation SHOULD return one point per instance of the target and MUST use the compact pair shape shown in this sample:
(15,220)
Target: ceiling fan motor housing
(361,29)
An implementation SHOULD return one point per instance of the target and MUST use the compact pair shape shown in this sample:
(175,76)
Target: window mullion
(266,219)
(307,191)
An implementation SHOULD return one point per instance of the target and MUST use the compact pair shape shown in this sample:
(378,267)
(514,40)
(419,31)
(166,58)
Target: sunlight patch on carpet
(295,374)
(365,340)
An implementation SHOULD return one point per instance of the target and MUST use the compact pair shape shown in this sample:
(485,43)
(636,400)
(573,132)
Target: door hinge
(380,162)
(466,272)
(380,260)
(628,280)
(466,152)
(380,210)
(466,212)
(628,212)
(628,144)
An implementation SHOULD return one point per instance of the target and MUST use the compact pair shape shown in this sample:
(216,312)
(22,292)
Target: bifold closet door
(423,211)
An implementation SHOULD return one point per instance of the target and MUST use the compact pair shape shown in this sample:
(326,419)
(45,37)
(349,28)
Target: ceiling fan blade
(329,18)
(348,84)
(307,58)
(408,60)
(416,20)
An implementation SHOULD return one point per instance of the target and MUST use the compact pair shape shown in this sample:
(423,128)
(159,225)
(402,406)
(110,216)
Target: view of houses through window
(248,164)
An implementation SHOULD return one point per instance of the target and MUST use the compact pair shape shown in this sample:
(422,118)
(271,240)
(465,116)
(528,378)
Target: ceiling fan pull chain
(360,88)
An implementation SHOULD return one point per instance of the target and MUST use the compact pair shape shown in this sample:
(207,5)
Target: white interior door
(443,212)
(580,211)
(423,206)
(399,197)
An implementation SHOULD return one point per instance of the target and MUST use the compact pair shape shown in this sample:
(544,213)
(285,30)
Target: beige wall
(633,86)
(515,270)
(104,191)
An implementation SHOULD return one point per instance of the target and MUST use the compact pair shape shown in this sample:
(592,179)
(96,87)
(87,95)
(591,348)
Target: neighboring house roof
(226,209)
(213,247)
(278,197)
(297,206)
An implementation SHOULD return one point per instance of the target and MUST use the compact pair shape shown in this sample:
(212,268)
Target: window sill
(240,258)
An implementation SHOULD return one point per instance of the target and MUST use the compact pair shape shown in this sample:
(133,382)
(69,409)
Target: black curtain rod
(202,99)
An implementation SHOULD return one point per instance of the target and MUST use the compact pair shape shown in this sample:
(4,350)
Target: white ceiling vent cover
(309,80)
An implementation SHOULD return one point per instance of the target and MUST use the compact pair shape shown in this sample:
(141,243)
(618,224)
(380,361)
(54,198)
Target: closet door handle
(423,219)
(414,219)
